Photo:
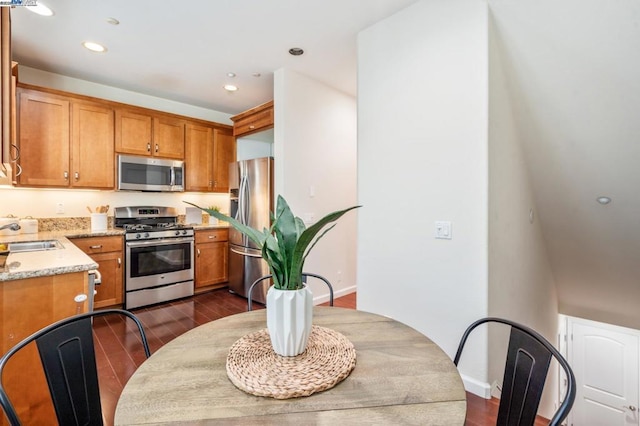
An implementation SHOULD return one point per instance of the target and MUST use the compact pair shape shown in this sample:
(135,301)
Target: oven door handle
(165,242)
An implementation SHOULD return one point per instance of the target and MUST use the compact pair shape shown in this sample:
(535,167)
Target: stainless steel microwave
(137,173)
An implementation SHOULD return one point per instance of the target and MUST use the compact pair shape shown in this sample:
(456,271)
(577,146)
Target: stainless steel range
(158,255)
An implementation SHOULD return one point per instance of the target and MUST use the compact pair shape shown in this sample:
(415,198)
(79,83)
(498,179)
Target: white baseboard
(476,387)
(337,293)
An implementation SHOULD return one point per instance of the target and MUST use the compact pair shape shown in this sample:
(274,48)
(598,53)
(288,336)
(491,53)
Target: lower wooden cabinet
(26,306)
(212,258)
(108,253)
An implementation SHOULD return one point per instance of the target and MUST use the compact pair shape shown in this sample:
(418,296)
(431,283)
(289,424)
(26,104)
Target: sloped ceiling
(574,76)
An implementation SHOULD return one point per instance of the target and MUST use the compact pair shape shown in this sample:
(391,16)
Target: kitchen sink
(21,246)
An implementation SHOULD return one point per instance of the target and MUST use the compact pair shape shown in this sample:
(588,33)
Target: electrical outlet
(60,208)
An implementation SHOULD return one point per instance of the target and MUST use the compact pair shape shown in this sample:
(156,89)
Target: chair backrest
(528,358)
(305,275)
(68,358)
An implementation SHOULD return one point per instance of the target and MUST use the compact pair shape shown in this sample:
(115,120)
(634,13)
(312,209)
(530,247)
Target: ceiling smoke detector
(296,51)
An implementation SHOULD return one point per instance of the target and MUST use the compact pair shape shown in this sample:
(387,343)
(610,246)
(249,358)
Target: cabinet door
(223,154)
(44,139)
(107,252)
(25,307)
(198,158)
(168,138)
(109,291)
(92,146)
(212,261)
(133,133)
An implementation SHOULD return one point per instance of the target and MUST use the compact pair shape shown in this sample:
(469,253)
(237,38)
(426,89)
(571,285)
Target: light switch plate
(443,230)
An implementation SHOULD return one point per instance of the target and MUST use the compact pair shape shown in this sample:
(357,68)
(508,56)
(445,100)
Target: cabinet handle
(198,250)
(148,147)
(14,146)
(251,127)
(76,175)
(119,262)
(66,174)
(157,148)
(630,408)
(96,247)
(210,183)
(19,172)
(213,237)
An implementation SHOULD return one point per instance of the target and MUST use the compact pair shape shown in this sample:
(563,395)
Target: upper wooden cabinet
(253,120)
(69,140)
(144,134)
(64,142)
(208,152)
(223,154)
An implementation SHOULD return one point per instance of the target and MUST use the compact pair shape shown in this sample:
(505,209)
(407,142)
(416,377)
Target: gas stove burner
(137,227)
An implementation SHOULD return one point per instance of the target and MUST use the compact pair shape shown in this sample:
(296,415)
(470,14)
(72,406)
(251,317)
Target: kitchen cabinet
(64,142)
(212,258)
(107,252)
(253,120)
(208,152)
(224,153)
(28,305)
(8,79)
(142,133)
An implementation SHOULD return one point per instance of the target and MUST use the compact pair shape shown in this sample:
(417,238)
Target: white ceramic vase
(289,314)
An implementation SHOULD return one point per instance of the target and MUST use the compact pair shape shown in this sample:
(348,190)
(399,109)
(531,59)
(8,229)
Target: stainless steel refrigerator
(251,201)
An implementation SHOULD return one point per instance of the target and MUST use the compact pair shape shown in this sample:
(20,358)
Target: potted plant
(285,246)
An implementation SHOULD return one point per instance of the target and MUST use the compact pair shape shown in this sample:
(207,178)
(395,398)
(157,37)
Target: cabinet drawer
(211,235)
(253,123)
(98,244)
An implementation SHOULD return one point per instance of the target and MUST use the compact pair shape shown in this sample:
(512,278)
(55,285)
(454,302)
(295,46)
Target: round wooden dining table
(400,378)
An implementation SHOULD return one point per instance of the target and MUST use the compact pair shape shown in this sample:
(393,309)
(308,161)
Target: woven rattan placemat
(255,368)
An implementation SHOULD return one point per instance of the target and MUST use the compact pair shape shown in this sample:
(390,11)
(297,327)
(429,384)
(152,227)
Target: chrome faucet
(12,226)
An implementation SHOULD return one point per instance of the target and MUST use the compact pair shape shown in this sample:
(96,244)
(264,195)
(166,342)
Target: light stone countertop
(61,261)
(32,264)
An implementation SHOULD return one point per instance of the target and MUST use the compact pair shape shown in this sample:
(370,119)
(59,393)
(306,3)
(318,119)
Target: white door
(604,359)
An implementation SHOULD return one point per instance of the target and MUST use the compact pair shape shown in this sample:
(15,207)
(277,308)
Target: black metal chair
(68,358)
(528,358)
(305,275)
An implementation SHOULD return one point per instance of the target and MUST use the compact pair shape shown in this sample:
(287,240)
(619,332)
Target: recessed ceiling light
(94,47)
(296,51)
(40,9)
(256,74)
(603,200)
(231,74)
(230,87)
(113,21)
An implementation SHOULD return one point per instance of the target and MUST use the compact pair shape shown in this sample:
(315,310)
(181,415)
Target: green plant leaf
(287,242)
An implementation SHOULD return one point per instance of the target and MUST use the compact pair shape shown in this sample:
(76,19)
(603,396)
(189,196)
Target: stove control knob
(184,232)
(177,232)
(146,235)
(138,236)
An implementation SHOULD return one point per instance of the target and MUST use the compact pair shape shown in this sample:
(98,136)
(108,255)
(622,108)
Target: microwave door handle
(173,176)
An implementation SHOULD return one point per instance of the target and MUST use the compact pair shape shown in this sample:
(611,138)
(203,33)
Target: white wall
(315,164)
(521,282)
(422,157)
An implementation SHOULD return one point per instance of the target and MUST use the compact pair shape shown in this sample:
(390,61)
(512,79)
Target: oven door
(155,263)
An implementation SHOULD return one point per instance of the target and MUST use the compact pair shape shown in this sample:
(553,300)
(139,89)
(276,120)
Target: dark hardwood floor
(119,351)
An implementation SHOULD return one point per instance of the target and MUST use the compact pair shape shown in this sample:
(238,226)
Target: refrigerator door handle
(245,253)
